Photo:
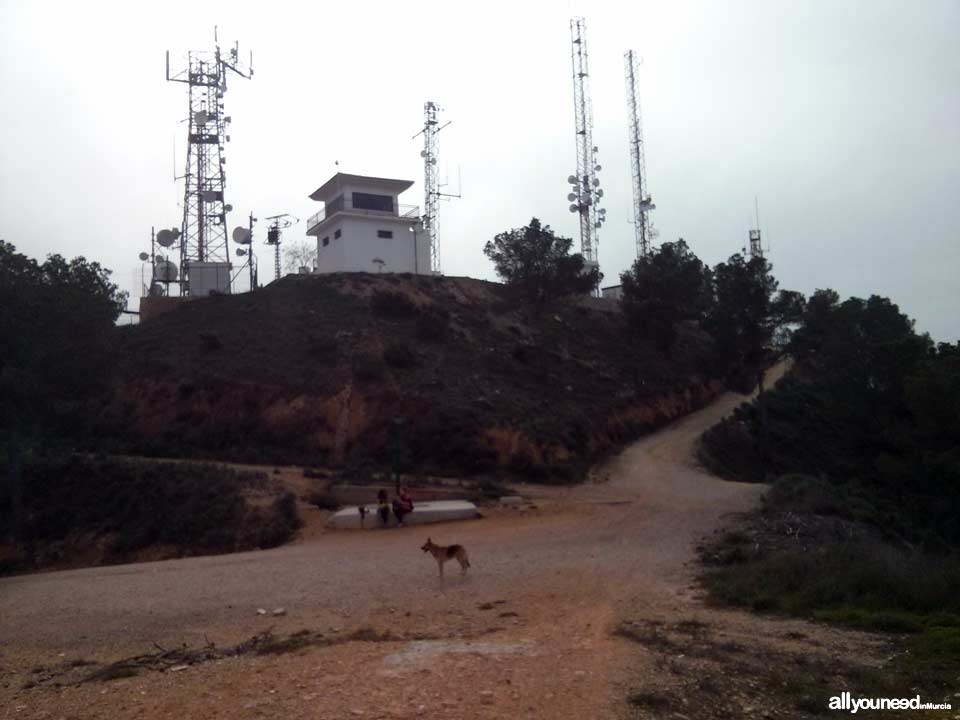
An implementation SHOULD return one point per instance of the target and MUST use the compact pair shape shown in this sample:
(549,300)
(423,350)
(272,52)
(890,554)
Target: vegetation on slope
(862,442)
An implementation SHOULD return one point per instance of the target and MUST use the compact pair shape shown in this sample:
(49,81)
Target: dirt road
(529,632)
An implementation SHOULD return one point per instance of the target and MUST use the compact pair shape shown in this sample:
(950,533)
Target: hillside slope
(314,370)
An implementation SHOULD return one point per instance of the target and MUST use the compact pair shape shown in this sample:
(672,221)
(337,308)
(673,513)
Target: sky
(841,118)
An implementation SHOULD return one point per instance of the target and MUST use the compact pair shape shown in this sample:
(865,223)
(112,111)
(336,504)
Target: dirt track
(528,633)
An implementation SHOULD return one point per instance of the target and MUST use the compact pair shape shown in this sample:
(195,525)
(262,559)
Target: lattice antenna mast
(204,226)
(585,191)
(431,181)
(756,246)
(642,203)
(278,223)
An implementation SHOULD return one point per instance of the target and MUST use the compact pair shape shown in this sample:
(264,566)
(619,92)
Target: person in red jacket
(403,505)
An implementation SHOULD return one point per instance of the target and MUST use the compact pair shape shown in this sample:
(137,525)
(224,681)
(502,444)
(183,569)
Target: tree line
(736,306)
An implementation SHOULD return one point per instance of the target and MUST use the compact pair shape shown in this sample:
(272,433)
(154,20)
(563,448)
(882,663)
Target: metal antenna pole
(203,234)
(431,182)
(586,192)
(756,245)
(278,224)
(250,261)
(642,203)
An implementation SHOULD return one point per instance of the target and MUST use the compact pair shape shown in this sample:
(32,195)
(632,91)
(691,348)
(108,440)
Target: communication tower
(756,245)
(431,181)
(244,236)
(642,203)
(278,223)
(203,233)
(585,191)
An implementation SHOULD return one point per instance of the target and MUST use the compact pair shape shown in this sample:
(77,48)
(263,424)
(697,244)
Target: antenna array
(278,223)
(585,185)
(431,181)
(642,203)
(756,246)
(204,226)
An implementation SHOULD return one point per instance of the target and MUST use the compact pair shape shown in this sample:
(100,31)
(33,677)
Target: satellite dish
(176,232)
(241,252)
(572,179)
(159,259)
(241,235)
(597,225)
(144,257)
(166,271)
(602,211)
(433,161)
(596,182)
(228,207)
(201,117)
(598,168)
(599,193)
(572,197)
(574,208)
(596,149)
(423,153)
(165,238)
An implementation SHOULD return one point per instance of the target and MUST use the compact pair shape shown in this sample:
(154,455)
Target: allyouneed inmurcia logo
(845,701)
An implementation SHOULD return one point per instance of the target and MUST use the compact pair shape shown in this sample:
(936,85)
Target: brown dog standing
(442,553)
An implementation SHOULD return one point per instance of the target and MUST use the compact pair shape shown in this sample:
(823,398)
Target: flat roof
(332,186)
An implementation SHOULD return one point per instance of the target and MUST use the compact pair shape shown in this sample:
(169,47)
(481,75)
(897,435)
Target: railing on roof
(343,204)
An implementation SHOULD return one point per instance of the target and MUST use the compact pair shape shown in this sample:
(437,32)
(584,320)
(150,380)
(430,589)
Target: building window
(336,233)
(326,241)
(387,234)
(367,201)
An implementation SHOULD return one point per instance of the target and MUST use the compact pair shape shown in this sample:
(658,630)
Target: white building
(364,228)
(612,292)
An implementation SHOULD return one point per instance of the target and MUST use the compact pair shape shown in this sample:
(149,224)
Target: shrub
(433,325)
(391,304)
(324,501)
(210,342)
(399,355)
(321,345)
(125,506)
(367,368)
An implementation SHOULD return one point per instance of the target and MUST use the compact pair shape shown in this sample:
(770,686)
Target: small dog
(442,553)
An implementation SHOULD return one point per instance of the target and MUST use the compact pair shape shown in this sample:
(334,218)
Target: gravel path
(527,633)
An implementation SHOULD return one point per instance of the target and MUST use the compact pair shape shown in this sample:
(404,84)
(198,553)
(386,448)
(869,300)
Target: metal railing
(344,205)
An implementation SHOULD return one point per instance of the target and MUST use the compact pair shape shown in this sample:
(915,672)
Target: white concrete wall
(358,245)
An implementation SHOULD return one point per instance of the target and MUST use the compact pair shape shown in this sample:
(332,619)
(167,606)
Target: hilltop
(315,369)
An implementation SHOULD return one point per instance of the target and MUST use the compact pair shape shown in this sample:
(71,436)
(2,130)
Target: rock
(178,668)
(358,712)
(261,611)
(579,674)
(511,500)
(277,612)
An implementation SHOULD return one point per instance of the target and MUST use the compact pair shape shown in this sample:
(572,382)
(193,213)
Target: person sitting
(383,507)
(403,505)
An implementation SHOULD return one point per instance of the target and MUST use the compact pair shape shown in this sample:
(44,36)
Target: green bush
(390,304)
(399,355)
(125,506)
(324,501)
(867,584)
(433,325)
(367,368)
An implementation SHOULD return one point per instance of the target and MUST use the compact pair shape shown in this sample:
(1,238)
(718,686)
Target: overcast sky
(843,117)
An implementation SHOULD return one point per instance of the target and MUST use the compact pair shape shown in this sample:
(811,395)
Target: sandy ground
(529,632)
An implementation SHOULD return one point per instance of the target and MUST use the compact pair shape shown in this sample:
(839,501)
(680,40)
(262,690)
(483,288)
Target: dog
(442,553)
